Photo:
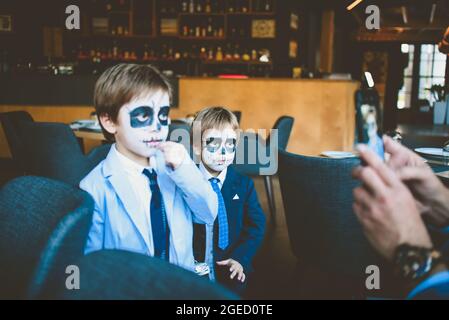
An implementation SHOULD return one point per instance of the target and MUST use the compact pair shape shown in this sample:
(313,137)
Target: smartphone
(370,136)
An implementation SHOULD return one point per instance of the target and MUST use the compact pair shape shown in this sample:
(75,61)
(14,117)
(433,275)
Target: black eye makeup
(144,116)
(141,117)
(214,144)
(163,115)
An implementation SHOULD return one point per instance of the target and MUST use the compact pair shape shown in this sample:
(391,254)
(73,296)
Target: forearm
(440,208)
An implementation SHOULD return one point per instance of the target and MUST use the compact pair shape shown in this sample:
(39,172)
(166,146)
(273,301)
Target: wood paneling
(323,109)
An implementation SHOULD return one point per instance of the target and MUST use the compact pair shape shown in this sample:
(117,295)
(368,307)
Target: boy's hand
(235,268)
(174,153)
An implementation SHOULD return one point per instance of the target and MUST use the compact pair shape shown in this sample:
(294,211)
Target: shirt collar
(208,176)
(131,166)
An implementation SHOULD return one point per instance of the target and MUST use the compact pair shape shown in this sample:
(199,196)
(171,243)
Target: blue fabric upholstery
(11,126)
(43,223)
(284,125)
(324,232)
(54,152)
(114,274)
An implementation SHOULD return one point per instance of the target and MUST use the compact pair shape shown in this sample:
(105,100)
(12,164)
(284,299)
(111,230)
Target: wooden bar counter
(324,110)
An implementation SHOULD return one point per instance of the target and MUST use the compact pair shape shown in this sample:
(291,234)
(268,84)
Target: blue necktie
(223,231)
(159,226)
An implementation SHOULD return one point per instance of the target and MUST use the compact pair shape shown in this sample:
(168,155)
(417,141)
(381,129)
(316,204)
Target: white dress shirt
(207,175)
(140,186)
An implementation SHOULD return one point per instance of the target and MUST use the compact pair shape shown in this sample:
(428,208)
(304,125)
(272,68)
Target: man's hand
(386,208)
(400,156)
(235,268)
(174,153)
(428,190)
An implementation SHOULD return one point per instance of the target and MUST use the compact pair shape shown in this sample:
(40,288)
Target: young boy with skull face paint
(229,245)
(147,189)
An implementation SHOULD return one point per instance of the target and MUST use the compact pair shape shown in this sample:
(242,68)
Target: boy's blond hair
(121,83)
(215,118)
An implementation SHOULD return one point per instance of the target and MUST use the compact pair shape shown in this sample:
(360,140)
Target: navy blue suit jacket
(246,222)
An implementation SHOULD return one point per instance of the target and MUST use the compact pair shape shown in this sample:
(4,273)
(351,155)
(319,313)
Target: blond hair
(214,118)
(123,82)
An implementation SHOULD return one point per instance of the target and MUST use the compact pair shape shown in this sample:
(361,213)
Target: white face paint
(218,148)
(142,125)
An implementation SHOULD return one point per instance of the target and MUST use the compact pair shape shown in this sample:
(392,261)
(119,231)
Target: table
(89,135)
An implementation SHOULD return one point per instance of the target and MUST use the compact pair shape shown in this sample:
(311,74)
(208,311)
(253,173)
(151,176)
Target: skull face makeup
(218,148)
(143,124)
(144,116)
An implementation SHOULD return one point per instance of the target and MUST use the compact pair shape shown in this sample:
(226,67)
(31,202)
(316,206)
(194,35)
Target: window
(405,94)
(430,69)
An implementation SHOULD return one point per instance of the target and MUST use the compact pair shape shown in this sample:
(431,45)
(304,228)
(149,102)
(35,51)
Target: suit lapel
(229,190)
(113,170)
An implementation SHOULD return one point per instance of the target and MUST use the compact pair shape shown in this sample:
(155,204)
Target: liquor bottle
(254,55)
(203,32)
(199,7)
(208,7)
(146,53)
(108,6)
(228,53)
(115,51)
(203,53)
(231,7)
(185,30)
(210,54)
(184,6)
(236,55)
(210,31)
(197,31)
(267,6)
(221,32)
(245,7)
(246,57)
(192,6)
(219,55)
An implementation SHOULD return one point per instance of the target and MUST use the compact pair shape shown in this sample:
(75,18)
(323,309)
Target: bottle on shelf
(199,7)
(236,55)
(231,6)
(245,6)
(184,6)
(219,55)
(254,55)
(207,7)
(209,30)
(191,6)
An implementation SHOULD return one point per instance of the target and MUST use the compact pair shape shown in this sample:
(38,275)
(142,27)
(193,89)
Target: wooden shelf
(200,14)
(201,38)
(211,62)
(111,36)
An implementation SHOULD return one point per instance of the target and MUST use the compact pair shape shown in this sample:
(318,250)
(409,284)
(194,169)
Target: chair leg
(270,194)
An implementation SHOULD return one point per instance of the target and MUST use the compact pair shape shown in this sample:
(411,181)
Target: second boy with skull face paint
(229,245)
(147,189)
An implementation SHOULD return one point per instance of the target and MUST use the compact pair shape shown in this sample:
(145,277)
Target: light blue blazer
(117,221)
